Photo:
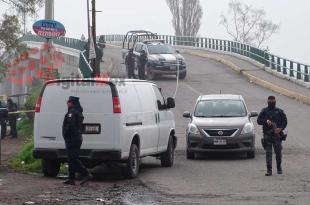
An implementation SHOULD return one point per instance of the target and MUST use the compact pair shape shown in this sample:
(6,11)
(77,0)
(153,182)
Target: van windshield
(220,108)
(161,49)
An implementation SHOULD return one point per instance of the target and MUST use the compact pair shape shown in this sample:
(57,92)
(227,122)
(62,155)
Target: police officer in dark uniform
(72,128)
(130,64)
(142,63)
(12,107)
(3,118)
(274,121)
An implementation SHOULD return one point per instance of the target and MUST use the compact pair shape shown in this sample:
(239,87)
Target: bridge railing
(62,41)
(85,67)
(283,66)
(77,44)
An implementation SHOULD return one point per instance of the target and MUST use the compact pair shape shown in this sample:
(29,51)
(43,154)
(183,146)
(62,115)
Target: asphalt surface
(230,179)
(210,179)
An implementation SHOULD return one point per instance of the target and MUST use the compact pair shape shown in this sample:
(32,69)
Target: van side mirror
(253,114)
(170,103)
(187,114)
(177,51)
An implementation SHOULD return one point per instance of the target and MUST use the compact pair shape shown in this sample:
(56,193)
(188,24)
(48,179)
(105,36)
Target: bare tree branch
(186,16)
(248,25)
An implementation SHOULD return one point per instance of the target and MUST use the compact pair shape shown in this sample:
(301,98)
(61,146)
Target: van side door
(163,120)
(149,130)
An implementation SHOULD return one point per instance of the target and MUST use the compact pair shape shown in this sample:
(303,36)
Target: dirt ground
(31,188)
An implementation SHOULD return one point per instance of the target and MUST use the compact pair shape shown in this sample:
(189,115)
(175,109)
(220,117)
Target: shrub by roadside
(24,160)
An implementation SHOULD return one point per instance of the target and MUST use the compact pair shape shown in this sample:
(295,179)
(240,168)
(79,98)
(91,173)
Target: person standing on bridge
(142,63)
(274,121)
(71,130)
(130,64)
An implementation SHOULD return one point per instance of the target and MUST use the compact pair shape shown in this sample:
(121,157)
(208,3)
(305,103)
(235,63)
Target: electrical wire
(177,85)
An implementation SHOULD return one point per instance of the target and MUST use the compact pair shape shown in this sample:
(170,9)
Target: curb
(254,79)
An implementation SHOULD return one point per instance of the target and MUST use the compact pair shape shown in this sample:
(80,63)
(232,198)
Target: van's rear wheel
(167,158)
(133,162)
(50,167)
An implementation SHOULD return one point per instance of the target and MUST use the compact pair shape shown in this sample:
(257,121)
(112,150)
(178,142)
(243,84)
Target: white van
(124,121)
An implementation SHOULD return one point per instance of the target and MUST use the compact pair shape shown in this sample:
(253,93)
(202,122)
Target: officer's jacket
(12,107)
(142,59)
(276,115)
(72,125)
(130,61)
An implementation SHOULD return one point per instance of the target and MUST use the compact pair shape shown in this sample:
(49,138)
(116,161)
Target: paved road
(230,179)
(213,179)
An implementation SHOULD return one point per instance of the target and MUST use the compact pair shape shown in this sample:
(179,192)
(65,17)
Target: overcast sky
(119,16)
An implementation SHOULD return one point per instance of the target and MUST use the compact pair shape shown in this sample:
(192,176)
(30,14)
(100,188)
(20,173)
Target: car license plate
(173,67)
(219,142)
(91,128)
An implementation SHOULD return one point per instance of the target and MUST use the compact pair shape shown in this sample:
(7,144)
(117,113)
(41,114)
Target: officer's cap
(73,99)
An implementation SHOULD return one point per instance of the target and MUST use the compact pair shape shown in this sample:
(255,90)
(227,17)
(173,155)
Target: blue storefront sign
(49,28)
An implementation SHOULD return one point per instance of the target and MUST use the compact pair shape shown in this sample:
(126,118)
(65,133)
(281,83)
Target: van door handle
(156,120)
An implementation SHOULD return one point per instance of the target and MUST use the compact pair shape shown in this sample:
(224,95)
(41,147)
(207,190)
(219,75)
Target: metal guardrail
(84,66)
(281,65)
(62,41)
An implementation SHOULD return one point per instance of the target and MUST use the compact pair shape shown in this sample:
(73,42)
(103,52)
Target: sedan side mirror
(170,103)
(253,114)
(187,114)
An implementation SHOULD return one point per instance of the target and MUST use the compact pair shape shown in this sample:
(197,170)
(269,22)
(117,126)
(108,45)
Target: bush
(24,161)
(25,127)
(31,101)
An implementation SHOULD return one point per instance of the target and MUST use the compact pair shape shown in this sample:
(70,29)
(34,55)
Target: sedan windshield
(220,108)
(161,49)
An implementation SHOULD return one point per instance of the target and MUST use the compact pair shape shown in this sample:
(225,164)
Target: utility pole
(95,69)
(88,22)
(49,15)
(49,9)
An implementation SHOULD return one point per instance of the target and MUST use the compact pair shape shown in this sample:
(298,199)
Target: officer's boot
(269,171)
(69,181)
(279,168)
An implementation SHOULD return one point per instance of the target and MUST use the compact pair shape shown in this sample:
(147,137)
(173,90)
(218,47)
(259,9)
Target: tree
(248,25)
(186,16)
(10,24)
(9,33)
(29,7)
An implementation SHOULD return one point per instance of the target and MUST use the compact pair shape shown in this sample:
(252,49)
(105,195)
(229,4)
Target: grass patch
(24,161)
(25,127)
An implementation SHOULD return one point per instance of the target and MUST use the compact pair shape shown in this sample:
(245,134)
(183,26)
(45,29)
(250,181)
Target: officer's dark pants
(3,128)
(75,165)
(12,122)
(276,143)
(130,71)
(142,71)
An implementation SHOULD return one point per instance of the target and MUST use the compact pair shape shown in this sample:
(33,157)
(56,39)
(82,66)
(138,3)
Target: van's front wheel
(50,167)
(167,158)
(133,162)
